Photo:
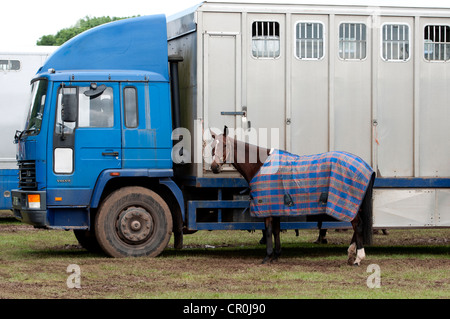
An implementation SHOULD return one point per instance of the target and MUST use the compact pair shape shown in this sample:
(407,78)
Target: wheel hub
(135,225)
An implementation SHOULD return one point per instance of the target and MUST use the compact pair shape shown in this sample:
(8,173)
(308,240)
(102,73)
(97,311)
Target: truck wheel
(133,221)
(87,240)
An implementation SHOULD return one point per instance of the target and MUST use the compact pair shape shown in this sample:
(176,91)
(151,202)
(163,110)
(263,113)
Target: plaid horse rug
(333,183)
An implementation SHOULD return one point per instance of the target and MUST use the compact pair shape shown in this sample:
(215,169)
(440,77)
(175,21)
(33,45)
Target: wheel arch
(159,182)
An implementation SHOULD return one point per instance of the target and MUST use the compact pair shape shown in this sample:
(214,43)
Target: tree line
(82,25)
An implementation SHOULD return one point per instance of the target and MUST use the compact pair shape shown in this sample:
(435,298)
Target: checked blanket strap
(332,183)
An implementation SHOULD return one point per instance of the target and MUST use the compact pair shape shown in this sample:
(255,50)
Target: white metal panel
(271,89)
(352,94)
(394,130)
(443,207)
(14,97)
(404,208)
(309,93)
(434,114)
(265,84)
(220,79)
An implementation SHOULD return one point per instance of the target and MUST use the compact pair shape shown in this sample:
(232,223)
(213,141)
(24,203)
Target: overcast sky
(23,22)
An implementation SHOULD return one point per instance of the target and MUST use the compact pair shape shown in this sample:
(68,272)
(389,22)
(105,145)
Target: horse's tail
(367,214)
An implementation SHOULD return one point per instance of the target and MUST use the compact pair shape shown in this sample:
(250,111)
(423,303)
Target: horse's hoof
(356,264)
(266,259)
(351,261)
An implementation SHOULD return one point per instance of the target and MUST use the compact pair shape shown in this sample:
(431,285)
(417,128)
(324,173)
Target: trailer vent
(309,41)
(437,43)
(352,41)
(27,175)
(395,42)
(266,39)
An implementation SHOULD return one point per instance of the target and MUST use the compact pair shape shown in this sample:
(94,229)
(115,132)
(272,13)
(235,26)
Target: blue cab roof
(131,48)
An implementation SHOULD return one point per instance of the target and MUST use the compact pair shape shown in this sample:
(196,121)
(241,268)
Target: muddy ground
(414,264)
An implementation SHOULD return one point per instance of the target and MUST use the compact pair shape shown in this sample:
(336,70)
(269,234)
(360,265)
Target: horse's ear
(225,130)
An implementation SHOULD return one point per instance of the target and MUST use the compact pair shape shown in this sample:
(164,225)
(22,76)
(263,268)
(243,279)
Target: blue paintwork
(383,182)
(9,179)
(106,176)
(193,224)
(176,191)
(135,44)
(413,182)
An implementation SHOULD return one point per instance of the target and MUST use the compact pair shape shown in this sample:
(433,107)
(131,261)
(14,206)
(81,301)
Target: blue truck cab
(95,153)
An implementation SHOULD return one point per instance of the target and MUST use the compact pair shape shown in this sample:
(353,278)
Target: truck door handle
(110,153)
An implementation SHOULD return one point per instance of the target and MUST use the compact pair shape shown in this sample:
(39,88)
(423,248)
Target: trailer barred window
(9,65)
(309,41)
(352,41)
(437,43)
(266,39)
(395,39)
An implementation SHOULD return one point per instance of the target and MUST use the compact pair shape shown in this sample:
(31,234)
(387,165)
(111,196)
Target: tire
(133,222)
(87,240)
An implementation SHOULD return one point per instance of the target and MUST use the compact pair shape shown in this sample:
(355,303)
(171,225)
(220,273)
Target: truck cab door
(88,143)
(139,142)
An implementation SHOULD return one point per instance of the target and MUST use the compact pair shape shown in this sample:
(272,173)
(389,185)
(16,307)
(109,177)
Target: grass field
(227,264)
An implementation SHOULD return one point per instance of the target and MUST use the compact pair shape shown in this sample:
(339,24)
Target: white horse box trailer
(17,67)
(372,81)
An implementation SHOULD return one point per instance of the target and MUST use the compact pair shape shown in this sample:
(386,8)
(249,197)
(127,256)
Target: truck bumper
(30,207)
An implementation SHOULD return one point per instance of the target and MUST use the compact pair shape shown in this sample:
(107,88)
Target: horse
(249,160)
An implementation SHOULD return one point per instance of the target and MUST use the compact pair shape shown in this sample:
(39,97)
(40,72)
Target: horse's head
(219,150)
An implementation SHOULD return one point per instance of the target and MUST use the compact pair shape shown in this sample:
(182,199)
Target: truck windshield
(37,104)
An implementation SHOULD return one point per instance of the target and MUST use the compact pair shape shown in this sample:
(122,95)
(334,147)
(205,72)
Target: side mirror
(69,111)
(95,90)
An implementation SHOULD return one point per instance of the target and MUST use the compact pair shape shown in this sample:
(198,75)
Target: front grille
(27,175)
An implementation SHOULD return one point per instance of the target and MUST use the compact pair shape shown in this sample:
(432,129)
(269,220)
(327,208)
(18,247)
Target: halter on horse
(242,156)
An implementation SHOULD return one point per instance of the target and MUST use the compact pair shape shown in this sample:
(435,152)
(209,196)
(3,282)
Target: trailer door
(351,100)
(264,87)
(309,88)
(222,80)
(433,116)
(394,130)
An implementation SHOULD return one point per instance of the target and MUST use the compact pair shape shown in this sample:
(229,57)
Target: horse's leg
(352,249)
(263,238)
(322,239)
(276,235)
(356,251)
(269,243)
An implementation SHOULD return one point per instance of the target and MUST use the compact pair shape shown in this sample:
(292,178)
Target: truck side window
(266,39)
(68,127)
(130,107)
(96,111)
